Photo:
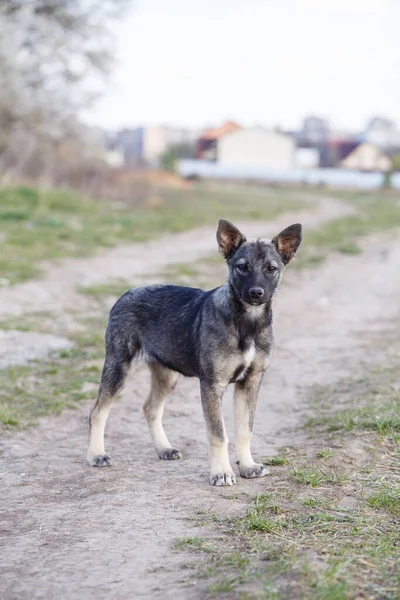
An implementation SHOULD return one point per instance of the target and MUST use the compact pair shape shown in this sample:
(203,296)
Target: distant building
(129,143)
(206,146)
(306,158)
(145,145)
(314,133)
(382,132)
(256,147)
(367,157)
(156,140)
(340,145)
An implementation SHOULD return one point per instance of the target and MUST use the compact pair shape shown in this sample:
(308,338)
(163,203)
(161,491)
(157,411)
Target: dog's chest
(246,358)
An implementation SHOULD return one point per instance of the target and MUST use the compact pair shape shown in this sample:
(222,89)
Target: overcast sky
(199,62)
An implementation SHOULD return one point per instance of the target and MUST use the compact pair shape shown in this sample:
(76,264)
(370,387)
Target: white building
(306,158)
(156,139)
(256,147)
(367,157)
(383,133)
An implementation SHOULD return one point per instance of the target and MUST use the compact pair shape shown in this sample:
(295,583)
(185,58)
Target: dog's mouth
(254,302)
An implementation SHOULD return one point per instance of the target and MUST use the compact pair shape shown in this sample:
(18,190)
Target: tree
(175,152)
(49,49)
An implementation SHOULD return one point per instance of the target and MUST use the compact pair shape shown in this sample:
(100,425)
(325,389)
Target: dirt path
(73,532)
(57,289)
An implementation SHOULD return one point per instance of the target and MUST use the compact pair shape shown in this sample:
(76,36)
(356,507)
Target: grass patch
(308,475)
(194,543)
(275,461)
(341,542)
(388,498)
(376,211)
(313,502)
(116,287)
(367,404)
(38,225)
(59,382)
(325,453)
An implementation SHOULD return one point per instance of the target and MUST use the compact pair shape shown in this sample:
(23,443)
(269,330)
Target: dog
(221,336)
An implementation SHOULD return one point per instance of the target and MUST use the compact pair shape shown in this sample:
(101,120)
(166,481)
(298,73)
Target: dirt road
(68,531)
(57,289)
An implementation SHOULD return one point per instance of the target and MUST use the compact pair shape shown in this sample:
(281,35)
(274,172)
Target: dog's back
(159,323)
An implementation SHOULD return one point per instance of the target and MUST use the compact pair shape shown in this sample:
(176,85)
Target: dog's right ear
(229,238)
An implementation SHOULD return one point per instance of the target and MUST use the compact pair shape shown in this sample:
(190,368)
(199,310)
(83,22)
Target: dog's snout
(256,292)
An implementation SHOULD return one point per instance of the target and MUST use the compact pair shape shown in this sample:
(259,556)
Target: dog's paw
(256,470)
(219,479)
(100,460)
(169,454)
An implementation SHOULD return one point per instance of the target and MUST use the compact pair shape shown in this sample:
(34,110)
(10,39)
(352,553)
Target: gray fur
(222,336)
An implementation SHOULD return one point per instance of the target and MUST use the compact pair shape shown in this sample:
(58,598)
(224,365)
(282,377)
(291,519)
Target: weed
(325,453)
(275,461)
(313,502)
(388,498)
(195,543)
(307,475)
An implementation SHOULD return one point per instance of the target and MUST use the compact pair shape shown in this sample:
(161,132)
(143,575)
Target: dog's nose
(256,292)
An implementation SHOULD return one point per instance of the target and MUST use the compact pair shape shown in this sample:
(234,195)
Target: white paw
(252,471)
(219,479)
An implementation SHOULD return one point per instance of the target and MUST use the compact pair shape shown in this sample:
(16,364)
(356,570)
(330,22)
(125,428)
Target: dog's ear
(288,241)
(229,238)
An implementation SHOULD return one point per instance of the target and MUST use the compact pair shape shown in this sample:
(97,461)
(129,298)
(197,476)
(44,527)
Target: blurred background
(94,91)
(127,129)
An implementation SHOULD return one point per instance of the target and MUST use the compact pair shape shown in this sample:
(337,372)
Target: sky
(197,63)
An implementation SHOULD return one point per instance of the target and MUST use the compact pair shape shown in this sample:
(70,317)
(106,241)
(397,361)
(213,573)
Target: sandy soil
(68,531)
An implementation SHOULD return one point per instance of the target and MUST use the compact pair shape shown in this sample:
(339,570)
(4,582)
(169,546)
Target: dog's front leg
(246,394)
(221,472)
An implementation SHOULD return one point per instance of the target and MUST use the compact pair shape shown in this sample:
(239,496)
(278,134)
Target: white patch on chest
(248,356)
(255,312)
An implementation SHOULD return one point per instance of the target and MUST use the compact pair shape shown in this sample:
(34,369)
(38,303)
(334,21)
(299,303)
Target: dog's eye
(271,269)
(242,267)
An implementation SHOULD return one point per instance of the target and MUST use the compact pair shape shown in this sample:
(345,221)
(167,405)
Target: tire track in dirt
(69,531)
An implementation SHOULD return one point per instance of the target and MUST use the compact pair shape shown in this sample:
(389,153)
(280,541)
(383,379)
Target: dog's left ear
(229,238)
(288,241)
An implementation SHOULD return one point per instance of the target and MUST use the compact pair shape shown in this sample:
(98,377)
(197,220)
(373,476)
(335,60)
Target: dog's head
(256,266)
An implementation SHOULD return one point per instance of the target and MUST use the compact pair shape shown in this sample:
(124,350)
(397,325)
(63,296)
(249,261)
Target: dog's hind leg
(163,382)
(245,399)
(112,380)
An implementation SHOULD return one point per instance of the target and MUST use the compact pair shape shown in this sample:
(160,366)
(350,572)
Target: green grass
(341,542)
(275,461)
(196,543)
(370,403)
(388,498)
(325,453)
(313,502)
(376,211)
(308,475)
(44,225)
(116,287)
(355,552)
(43,387)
